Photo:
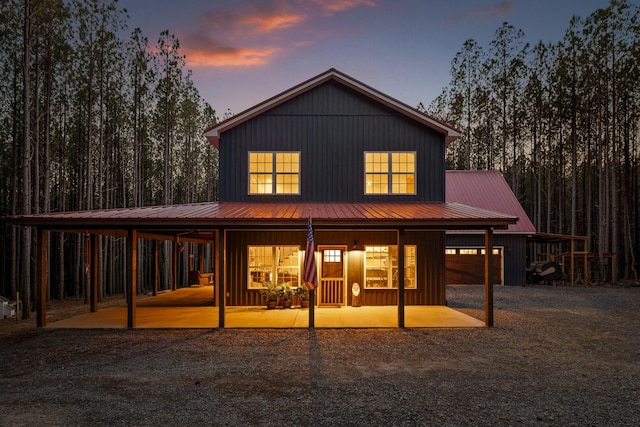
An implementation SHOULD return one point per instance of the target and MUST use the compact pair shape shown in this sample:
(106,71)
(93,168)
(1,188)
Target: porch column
(132,273)
(156,265)
(219,275)
(572,254)
(488,276)
(93,267)
(401,278)
(174,265)
(41,279)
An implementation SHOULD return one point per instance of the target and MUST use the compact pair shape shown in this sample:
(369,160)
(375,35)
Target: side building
(465,253)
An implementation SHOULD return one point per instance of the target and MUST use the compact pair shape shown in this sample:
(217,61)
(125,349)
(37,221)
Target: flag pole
(310,271)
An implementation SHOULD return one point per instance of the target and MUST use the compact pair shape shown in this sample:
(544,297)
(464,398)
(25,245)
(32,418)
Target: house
(464,253)
(366,169)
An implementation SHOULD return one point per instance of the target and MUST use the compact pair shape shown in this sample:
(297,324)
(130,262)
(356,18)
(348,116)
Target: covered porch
(193,308)
(208,223)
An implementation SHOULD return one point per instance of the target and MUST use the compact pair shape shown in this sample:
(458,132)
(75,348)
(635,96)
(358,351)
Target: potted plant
(270,293)
(303,296)
(285,294)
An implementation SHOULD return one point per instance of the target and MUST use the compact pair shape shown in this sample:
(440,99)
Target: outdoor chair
(200,279)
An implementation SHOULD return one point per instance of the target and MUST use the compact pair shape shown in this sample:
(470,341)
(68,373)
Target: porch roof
(438,215)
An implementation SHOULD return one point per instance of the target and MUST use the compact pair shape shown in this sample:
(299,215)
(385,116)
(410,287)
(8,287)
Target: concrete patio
(192,308)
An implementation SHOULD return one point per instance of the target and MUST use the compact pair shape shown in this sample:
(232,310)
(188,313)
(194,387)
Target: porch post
(94,273)
(488,276)
(132,261)
(41,277)
(401,278)
(312,308)
(219,275)
(174,265)
(572,253)
(156,250)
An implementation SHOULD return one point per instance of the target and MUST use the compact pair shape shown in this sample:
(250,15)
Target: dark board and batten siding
(430,263)
(331,126)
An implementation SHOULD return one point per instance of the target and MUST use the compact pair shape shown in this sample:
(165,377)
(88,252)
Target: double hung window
(390,172)
(274,172)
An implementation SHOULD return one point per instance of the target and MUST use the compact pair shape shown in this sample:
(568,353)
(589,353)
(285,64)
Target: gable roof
(487,190)
(451,134)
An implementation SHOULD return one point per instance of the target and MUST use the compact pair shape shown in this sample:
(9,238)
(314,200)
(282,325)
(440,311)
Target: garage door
(465,266)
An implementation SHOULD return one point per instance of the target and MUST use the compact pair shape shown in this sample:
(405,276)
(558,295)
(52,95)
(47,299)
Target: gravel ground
(557,356)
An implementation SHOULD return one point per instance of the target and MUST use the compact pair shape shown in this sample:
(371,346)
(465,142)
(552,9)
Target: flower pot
(304,303)
(286,303)
(271,304)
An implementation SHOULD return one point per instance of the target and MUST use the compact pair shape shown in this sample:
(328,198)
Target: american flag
(310,273)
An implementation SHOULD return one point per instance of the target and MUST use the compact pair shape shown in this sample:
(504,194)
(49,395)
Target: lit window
(273,264)
(468,252)
(274,173)
(450,251)
(494,251)
(332,255)
(381,267)
(390,173)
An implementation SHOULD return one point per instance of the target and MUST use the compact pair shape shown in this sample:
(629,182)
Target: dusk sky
(242,52)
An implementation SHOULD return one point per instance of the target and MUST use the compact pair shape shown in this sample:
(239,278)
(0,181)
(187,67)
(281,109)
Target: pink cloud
(269,23)
(254,20)
(202,51)
(498,10)
(332,6)
(242,57)
(253,35)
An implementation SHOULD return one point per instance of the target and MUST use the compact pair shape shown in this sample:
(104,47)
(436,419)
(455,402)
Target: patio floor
(192,308)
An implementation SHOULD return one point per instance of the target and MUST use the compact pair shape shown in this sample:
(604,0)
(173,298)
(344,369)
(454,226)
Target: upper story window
(274,172)
(390,172)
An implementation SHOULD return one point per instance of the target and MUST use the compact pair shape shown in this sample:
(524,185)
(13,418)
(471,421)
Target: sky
(242,52)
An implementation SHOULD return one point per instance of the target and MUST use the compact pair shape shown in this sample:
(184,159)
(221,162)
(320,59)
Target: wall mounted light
(355,246)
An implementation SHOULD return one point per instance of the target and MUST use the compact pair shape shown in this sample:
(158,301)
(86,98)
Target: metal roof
(487,190)
(239,214)
(451,134)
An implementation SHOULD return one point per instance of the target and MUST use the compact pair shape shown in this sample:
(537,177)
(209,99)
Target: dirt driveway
(557,356)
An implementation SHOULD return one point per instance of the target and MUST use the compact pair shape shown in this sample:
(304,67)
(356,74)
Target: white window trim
(274,271)
(390,174)
(389,267)
(274,174)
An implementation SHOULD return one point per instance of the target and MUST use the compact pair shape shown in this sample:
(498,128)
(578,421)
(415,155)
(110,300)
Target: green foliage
(561,121)
(113,123)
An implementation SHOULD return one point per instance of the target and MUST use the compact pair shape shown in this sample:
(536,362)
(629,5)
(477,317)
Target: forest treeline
(561,121)
(91,119)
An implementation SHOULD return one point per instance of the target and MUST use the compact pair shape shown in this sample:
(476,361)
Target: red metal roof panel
(231,212)
(487,190)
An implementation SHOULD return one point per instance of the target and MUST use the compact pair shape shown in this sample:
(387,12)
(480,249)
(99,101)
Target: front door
(332,277)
